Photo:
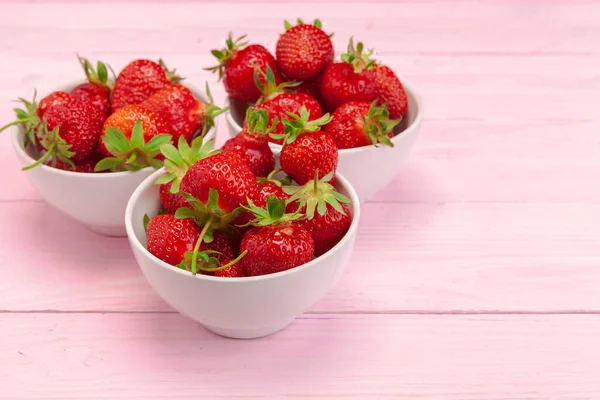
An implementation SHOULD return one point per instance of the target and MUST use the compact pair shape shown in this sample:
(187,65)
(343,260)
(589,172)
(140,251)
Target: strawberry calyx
(358,57)
(317,22)
(257,121)
(205,262)
(316,195)
(99,75)
(377,124)
(224,55)
(56,148)
(274,213)
(285,180)
(131,154)
(28,117)
(210,112)
(179,159)
(299,124)
(270,88)
(170,74)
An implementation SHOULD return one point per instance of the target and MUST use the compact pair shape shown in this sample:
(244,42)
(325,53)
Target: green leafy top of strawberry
(378,124)
(208,215)
(133,154)
(299,124)
(315,195)
(170,74)
(285,180)
(211,112)
(358,57)
(56,147)
(98,75)
(179,160)
(224,55)
(28,117)
(257,121)
(273,213)
(270,88)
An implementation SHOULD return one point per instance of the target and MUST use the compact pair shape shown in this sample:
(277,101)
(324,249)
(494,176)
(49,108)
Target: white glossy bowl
(237,307)
(368,168)
(97,200)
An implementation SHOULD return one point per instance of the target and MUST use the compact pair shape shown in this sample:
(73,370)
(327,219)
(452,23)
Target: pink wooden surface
(476,273)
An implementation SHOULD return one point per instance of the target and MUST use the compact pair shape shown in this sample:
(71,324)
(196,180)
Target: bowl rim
(17,142)
(149,181)
(408,87)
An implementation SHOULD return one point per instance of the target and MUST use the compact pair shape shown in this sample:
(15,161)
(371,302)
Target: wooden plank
(408,257)
(384,357)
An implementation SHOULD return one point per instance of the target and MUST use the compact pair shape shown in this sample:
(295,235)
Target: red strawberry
(278,243)
(389,89)
(221,245)
(327,218)
(237,63)
(303,51)
(233,271)
(97,90)
(350,80)
(226,173)
(279,101)
(307,149)
(132,135)
(70,133)
(359,123)
(170,201)
(170,238)
(185,114)
(53,99)
(252,142)
(177,161)
(269,188)
(139,80)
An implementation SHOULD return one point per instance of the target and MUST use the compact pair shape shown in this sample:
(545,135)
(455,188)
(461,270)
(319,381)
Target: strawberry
(237,63)
(269,186)
(327,217)
(252,142)
(53,99)
(185,114)
(177,162)
(389,89)
(349,80)
(277,243)
(174,240)
(307,148)
(358,123)
(131,138)
(69,133)
(139,80)
(97,90)
(303,51)
(278,102)
(170,238)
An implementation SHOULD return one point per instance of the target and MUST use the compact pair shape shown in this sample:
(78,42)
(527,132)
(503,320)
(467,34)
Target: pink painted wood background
(476,273)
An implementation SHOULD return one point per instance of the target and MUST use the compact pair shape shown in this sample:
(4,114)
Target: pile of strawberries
(117,124)
(230,213)
(366,99)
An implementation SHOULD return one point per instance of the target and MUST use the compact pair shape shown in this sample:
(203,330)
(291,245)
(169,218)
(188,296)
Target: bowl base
(248,333)
(114,231)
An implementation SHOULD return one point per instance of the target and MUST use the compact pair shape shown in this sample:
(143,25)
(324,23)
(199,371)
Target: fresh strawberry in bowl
(275,272)
(61,142)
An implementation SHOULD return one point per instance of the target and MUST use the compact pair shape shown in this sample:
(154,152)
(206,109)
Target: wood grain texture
(494,215)
(385,357)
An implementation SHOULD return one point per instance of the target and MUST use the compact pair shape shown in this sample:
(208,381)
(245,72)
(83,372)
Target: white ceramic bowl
(368,168)
(97,200)
(237,307)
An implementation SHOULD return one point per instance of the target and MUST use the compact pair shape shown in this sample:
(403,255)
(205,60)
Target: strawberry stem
(17,122)
(229,264)
(198,242)
(42,159)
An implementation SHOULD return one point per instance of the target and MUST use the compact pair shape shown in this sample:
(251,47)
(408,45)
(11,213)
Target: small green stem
(316,181)
(198,243)
(229,264)
(42,159)
(17,122)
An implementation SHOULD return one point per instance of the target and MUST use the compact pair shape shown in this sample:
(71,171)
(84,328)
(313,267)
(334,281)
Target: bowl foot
(116,231)
(248,333)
